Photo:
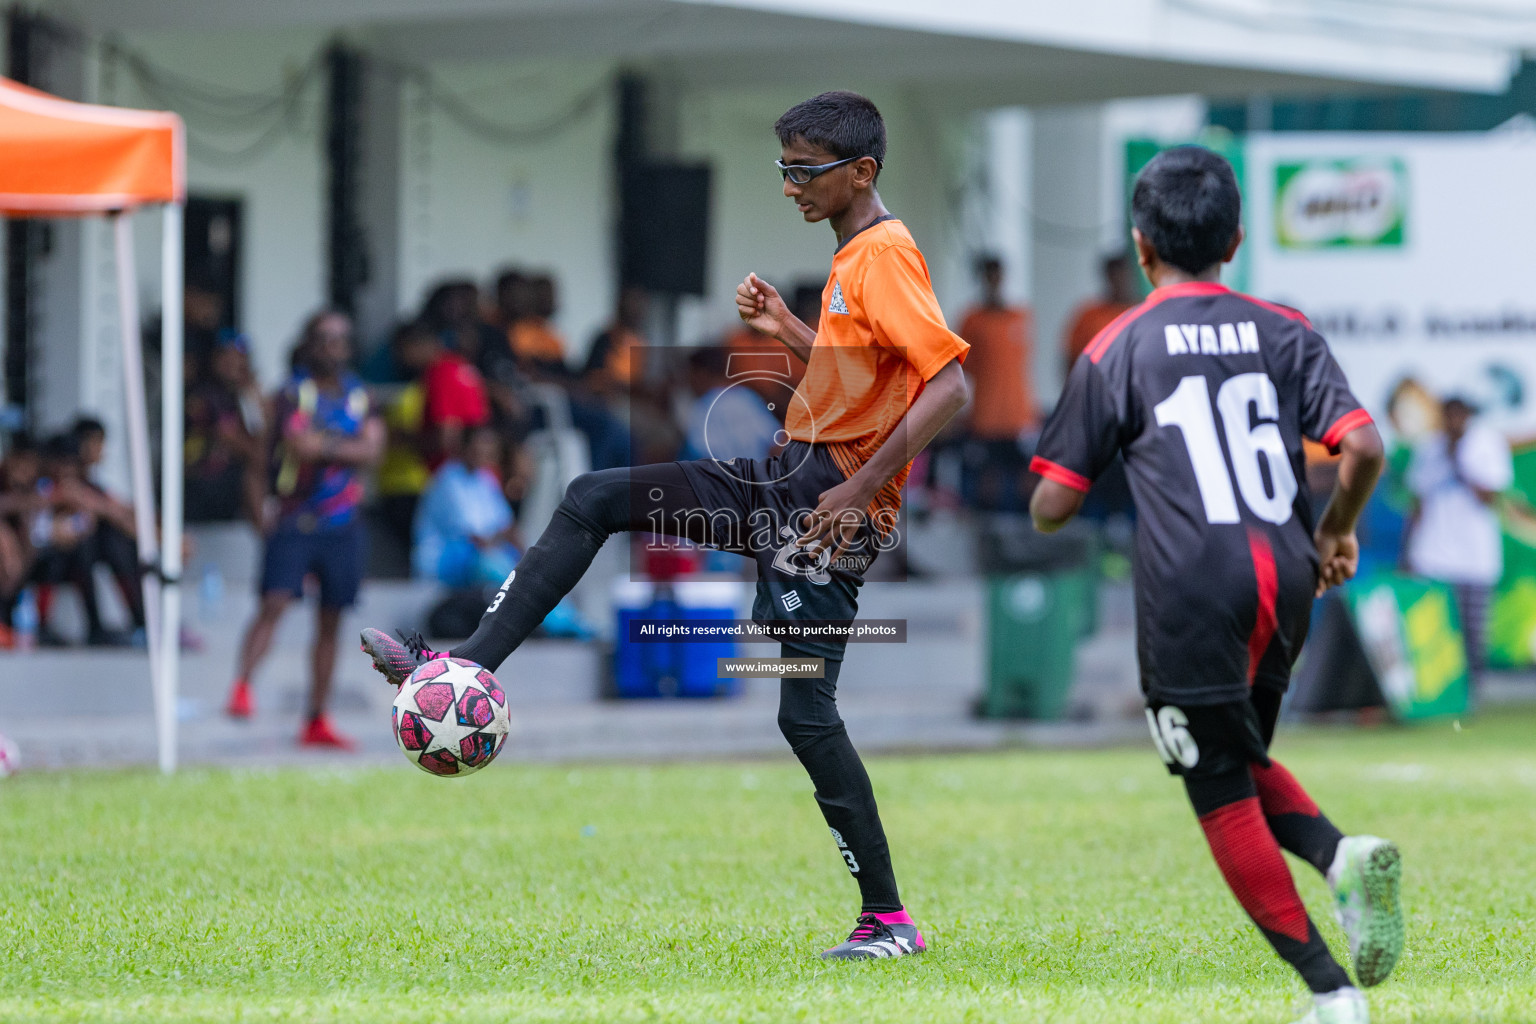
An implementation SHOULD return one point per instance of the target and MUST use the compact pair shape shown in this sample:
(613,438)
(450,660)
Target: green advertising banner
(1357,204)
(1412,638)
(1512,616)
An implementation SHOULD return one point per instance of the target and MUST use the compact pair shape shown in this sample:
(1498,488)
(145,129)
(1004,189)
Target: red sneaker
(239,705)
(321,733)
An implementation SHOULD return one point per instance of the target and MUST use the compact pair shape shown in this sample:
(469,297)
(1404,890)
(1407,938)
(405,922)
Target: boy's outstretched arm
(842,508)
(1053,505)
(1338,550)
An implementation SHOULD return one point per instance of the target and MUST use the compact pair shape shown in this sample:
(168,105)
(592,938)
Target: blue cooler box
(673,669)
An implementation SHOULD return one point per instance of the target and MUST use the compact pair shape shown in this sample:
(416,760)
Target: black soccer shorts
(1203,741)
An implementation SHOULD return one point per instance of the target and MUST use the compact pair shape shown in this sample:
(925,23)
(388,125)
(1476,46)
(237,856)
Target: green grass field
(1051,886)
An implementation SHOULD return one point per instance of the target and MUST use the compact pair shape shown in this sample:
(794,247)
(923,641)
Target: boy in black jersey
(1208,393)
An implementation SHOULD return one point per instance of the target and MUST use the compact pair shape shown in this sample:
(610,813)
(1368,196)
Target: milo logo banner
(1340,203)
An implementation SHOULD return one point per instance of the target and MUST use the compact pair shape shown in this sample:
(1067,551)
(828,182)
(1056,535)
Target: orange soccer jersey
(880,338)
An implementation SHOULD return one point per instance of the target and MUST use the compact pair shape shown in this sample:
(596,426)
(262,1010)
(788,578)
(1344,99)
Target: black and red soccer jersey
(1208,394)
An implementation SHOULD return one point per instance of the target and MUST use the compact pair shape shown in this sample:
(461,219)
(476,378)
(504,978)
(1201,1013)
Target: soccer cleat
(239,705)
(879,935)
(1364,877)
(1342,1006)
(397,659)
(321,733)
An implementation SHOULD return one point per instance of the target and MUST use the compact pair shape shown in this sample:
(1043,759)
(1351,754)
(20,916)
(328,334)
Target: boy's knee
(593,499)
(802,730)
(578,493)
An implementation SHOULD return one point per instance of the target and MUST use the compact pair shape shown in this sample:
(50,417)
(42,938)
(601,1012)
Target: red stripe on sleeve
(1061,474)
(1105,338)
(1285,311)
(1343,425)
(1264,620)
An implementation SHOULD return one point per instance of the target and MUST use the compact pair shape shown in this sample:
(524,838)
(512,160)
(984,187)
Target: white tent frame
(162,581)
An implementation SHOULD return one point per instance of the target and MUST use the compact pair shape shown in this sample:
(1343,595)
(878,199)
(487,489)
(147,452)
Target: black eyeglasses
(800,174)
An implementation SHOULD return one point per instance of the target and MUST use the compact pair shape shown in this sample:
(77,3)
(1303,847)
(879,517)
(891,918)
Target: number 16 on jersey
(1241,400)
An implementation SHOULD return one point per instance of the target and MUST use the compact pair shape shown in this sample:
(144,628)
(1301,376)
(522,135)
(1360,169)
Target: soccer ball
(450,717)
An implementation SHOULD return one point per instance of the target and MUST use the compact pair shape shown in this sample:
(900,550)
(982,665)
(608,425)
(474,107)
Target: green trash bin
(1034,621)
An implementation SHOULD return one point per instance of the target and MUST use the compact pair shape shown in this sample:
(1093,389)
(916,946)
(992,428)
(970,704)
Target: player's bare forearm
(797,337)
(1338,550)
(944,395)
(1053,505)
(1362,459)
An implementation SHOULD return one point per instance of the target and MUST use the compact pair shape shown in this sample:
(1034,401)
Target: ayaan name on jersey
(1211,339)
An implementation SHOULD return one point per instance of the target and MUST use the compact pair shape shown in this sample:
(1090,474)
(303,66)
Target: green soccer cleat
(1345,1006)
(1364,877)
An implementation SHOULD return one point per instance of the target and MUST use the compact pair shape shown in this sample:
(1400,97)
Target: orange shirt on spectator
(1092,317)
(534,341)
(1002,386)
(613,355)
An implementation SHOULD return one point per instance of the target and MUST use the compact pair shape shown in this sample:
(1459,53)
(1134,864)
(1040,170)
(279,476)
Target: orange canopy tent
(59,158)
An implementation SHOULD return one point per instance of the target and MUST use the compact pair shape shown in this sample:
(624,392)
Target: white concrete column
(1066,156)
(1010,172)
(380,206)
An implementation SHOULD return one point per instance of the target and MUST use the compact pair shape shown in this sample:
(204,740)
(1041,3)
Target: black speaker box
(666,227)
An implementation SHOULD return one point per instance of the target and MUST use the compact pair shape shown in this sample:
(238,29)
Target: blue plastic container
(673,669)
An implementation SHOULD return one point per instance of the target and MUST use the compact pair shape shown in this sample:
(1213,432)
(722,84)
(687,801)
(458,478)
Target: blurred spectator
(725,422)
(531,305)
(464,529)
(403,472)
(1092,317)
(61,534)
(616,359)
(512,301)
(452,311)
(202,317)
(20,505)
(324,433)
(1453,533)
(1003,407)
(226,418)
(453,401)
(115,542)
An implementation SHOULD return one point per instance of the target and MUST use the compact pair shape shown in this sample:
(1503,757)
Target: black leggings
(657,499)
(809,720)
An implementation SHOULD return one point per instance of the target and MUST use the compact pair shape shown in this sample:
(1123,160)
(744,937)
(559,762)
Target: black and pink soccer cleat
(879,935)
(395,659)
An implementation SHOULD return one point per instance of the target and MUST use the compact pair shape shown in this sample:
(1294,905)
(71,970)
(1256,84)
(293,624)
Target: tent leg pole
(138,440)
(172,425)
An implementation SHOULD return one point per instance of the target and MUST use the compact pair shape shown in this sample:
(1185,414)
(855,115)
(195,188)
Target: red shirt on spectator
(455,394)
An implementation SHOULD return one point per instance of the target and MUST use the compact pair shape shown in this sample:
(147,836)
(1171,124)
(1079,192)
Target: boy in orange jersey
(882,377)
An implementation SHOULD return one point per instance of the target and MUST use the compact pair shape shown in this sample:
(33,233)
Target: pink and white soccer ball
(450,717)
